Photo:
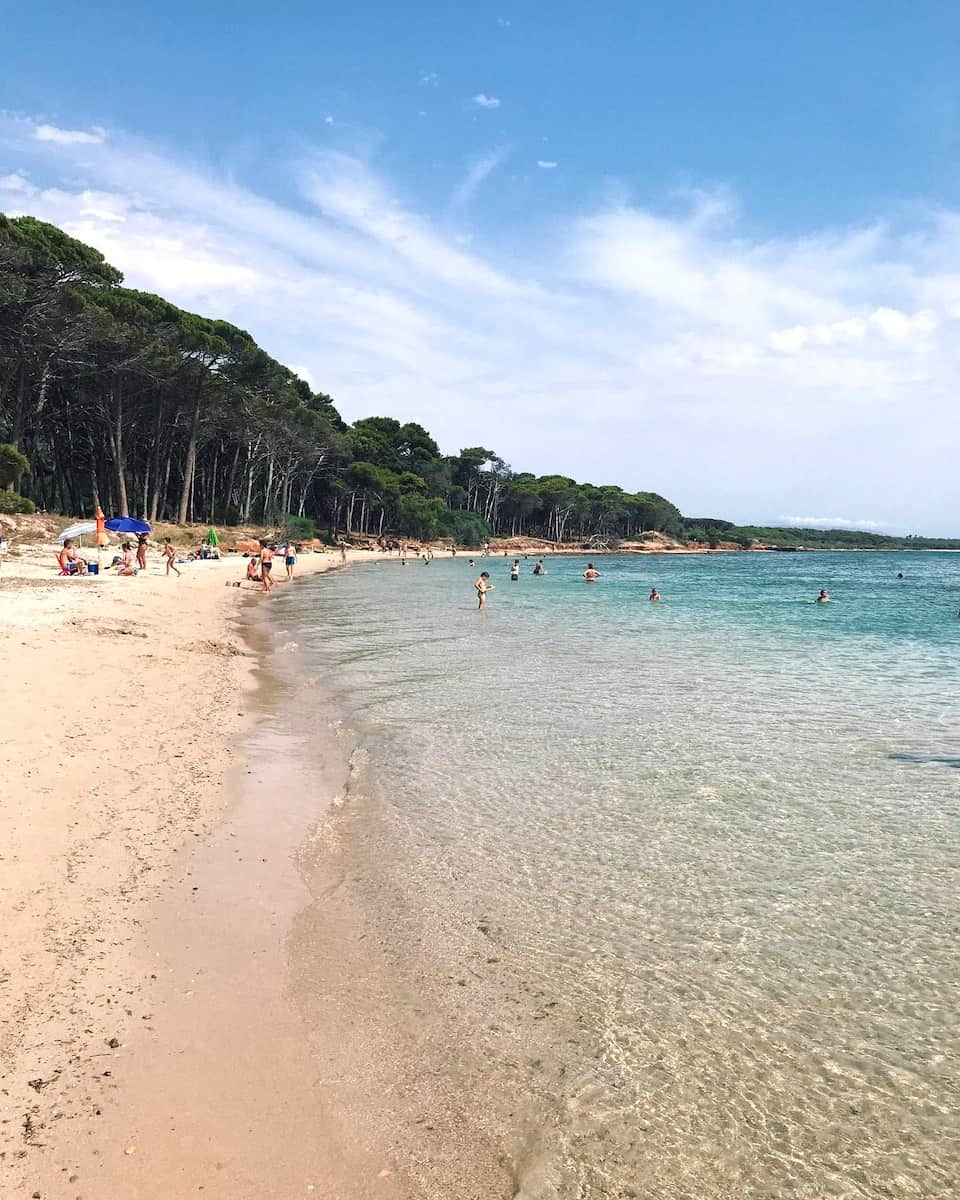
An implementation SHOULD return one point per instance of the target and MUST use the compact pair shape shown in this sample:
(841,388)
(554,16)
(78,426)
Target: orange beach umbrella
(102,538)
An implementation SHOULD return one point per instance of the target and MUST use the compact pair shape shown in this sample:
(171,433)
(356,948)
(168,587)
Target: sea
(681,878)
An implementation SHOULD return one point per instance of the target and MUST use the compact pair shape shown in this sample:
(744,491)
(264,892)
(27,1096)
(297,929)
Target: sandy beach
(125,702)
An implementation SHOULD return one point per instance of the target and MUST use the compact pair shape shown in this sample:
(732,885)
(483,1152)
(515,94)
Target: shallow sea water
(684,875)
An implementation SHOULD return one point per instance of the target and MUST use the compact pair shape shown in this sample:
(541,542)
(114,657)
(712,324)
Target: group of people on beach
(260,566)
(130,561)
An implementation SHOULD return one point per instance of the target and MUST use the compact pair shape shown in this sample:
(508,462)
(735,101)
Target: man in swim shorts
(591,574)
(483,587)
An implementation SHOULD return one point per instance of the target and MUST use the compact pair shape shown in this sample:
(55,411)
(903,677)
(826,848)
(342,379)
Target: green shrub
(13,466)
(299,529)
(13,502)
(466,528)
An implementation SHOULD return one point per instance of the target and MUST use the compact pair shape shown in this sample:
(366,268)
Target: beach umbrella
(213,538)
(102,539)
(78,530)
(126,525)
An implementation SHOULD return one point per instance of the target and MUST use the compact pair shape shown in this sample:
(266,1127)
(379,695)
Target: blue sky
(712,250)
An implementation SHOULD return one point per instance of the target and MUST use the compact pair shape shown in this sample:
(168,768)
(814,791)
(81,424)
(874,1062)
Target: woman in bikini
(266,565)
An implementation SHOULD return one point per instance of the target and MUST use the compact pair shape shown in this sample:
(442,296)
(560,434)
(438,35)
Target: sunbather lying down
(70,561)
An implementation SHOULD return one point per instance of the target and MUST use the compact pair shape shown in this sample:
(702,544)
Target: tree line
(117,397)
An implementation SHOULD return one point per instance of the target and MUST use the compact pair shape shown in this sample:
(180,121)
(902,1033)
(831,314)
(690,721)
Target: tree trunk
(190,464)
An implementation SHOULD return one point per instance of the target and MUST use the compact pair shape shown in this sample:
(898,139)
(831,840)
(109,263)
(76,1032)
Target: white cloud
(70,137)
(16,182)
(486,101)
(834,523)
(546,164)
(328,120)
(671,350)
(429,79)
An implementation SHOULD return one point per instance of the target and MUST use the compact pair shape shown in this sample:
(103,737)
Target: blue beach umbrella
(126,525)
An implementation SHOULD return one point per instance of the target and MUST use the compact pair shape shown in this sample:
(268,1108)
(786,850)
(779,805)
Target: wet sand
(184,1010)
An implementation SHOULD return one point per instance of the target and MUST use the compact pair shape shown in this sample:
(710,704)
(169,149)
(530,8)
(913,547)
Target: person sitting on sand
(70,561)
(170,555)
(591,574)
(127,564)
(483,587)
(654,594)
(824,597)
(253,570)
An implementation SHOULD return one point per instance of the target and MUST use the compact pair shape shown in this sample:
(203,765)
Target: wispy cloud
(429,79)
(484,101)
(70,137)
(478,170)
(673,350)
(546,164)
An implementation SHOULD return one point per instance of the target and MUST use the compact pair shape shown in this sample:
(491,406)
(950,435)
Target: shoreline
(131,698)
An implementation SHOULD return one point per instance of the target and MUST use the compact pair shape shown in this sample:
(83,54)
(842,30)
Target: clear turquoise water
(689,871)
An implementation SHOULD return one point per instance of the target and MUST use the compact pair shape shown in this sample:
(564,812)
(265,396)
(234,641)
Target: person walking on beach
(266,565)
(343,554)
(290,558)
(515,571)
(141,551)
(170,555)
(591,574)
(483,587)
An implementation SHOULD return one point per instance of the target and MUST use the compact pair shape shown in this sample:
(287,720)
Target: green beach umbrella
(213,538)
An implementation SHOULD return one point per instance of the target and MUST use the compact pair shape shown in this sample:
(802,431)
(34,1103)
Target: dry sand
(124,700)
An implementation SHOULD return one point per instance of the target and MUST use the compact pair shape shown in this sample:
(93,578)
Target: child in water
(483,587)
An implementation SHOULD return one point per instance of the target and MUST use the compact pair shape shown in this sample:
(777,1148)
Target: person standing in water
(539,569)
(290,558)
(591,574)
(824,597)
(515,571)
(483,587)
(171,556)
(266,565)
(654,594)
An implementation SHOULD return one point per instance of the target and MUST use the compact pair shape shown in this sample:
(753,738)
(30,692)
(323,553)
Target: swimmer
(654,594)
(539,569)
(824,597)
(483,587)
(515,571)
(591,574)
